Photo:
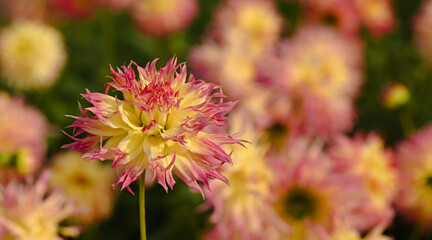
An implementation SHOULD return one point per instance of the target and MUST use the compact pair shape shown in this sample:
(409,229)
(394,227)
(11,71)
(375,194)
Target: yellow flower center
(80,180)
(428,181)
(277,135)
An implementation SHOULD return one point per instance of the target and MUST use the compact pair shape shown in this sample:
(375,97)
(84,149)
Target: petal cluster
(253,26)
(309,191)
(415,183)
(23,130)
(164,17)
(31,55)
(244,34)
(320,72)
(162,121)
(28,211)
(348,16)
(87,184)
(244,209)
(371,165)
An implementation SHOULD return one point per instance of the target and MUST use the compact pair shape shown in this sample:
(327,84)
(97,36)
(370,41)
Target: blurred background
(350,79)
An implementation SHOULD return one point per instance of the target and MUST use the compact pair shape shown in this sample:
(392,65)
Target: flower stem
(142,206)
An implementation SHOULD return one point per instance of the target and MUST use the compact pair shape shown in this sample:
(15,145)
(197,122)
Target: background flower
(365,159)
(28,211)
(23,132)
(244,210)
(87,184)
(32,55)
(415,170)
(320,72)
(163,17)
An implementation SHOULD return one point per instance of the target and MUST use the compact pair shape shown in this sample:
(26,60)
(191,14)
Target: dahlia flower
(414,158)
(31,55)
(350,15)
(341,14)
(320,70)
(23,130)
(164,124)
(228,66)
(164,17)
(377,15)
(251,25)
(244,210)
(366,159)
(312,197)
(423,30)
(28,211)
(244,34)
(87,184)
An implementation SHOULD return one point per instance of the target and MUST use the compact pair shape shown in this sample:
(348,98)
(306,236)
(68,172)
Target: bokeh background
(98,33)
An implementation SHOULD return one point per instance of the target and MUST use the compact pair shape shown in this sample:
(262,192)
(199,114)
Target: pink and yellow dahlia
(349,15)
(342,14)
(228,66)
(253,26)
(23,130)
(415,182)
(238,74)
(162,121)
(377,15)
(28,211)
(87,184)
(366,160)
(31,55)
(244,210)
(164,17)
(423,30)
(312,197)
(244,33)
(320,70)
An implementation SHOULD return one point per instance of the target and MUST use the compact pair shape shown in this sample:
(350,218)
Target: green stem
(142,206)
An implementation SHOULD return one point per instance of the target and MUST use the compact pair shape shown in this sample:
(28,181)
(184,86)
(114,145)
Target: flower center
(300,204)
(330,19)
(80,180)
(429,181)
(277,134)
